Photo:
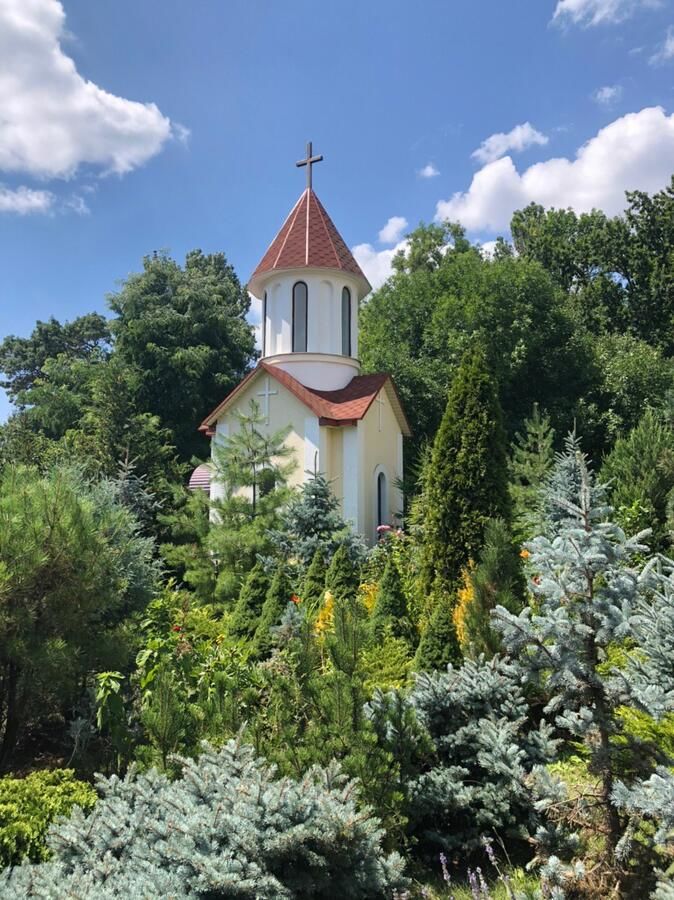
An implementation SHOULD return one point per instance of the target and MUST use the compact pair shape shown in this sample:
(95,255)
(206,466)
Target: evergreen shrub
(227,827)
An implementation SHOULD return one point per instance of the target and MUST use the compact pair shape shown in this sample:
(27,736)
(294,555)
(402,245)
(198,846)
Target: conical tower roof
(308,239)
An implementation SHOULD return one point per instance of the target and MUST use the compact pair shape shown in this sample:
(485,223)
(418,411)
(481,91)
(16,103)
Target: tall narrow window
(346,322)
(382,511)
(264,324)
(300,317)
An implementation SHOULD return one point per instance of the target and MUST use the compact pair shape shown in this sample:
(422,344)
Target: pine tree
(313,585)
(465,481)
(439,645)
(531,462)
(249,606)
(390,606)
(275,603)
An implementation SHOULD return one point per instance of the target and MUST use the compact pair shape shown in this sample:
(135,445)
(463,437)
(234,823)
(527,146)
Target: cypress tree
(439,645)
(531,463)
(275,603)
(390,606)
(313,585)
(249,605)
(465,479)
(343,578)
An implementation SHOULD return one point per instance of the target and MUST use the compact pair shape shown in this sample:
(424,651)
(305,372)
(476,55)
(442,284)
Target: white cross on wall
(266,394)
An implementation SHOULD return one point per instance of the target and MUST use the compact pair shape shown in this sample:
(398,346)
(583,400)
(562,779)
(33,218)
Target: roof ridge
(322,213)
(296,210)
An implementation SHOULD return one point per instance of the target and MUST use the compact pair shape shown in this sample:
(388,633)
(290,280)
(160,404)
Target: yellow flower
(524,553)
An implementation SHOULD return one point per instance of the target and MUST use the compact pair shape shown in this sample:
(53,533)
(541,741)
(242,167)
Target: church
(346,425)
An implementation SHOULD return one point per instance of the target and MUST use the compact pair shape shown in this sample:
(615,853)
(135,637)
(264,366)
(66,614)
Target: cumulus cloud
(666,51)
(635,152)
(23,200)
(52,120)
(428,171)
(599,12)
(393,230)
(518,139)
(608,94)
(377,264)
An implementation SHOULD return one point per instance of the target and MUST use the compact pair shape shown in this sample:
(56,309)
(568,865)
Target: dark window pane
(300,317)
(346,322)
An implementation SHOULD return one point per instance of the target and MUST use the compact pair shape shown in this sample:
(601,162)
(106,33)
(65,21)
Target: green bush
(29,805)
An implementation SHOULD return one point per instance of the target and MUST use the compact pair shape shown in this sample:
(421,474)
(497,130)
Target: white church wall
(324,316)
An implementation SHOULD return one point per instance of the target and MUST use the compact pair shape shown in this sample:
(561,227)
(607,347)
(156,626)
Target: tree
(439,645)
(184,330)
(313,585)
(342,578)
(390,606)
(177,838)
(72,567)
(465,481)
(276,601)
(466,749)
(311,523)
(252,467)
(640,478)
(496,580)
(531,460)
(250,603)
(585,592)
(22,360)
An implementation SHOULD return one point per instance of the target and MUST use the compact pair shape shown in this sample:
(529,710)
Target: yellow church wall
(284,410)
(380,450)
(332,461)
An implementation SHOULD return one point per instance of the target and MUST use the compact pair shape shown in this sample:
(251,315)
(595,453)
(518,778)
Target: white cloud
(393,230)
(518,139)
(599,12)
(428,171)
(666,51)
(52,120)
(635,152)
(377,264)
(608,94)
(23,200)
(488,248)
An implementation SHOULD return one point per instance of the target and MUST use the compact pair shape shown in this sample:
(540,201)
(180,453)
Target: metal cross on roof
(309,161)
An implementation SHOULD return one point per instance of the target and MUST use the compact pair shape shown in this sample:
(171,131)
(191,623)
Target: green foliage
(342,578)
(390,607)
(249,606)
(466,749)
(29,805)
(227,827)
(496,580)
(439,644)
(640,476)
(72,568)
(464,482)
(183,329)
(531,461)
(314,581)
(311,523)
(278,597)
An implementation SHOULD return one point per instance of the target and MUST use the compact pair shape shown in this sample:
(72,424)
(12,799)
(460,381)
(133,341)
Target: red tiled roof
(342,407)
(308,239)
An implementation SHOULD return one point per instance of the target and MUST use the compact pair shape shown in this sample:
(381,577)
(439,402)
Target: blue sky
(132,126)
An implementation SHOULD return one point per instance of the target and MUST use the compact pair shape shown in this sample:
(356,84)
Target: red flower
(295,599)
(176,628)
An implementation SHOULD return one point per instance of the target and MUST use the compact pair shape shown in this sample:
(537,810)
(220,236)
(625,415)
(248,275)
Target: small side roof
(342,407)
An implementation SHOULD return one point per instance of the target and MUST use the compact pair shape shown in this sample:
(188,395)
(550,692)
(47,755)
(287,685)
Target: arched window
(382,504)
(264,324)
(346,322)
(300,317)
